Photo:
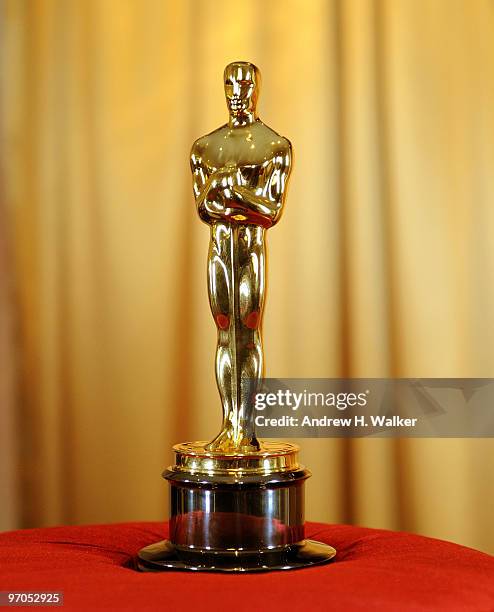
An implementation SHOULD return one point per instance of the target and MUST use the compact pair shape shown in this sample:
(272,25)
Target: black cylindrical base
(165,556)
(235,513)
(253,516)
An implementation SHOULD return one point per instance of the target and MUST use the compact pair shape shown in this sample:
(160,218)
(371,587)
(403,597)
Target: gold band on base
(273,457)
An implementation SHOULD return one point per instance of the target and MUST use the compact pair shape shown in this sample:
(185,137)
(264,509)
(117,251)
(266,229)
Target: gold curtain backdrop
(382,266)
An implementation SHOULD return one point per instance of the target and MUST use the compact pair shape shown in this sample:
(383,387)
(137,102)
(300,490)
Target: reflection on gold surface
(240,174)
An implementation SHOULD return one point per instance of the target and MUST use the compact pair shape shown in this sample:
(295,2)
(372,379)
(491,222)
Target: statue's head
(242,83)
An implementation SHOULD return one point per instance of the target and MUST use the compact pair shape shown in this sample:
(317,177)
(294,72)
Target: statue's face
(241,87)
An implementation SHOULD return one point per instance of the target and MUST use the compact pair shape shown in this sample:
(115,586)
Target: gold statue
(240,173)
(236,506)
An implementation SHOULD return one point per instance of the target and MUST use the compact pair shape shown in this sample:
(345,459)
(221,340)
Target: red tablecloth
(374,570)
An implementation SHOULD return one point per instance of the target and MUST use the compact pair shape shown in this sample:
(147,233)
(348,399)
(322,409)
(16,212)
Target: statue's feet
(225,442)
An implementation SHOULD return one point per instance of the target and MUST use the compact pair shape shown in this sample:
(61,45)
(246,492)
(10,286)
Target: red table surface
(374,570)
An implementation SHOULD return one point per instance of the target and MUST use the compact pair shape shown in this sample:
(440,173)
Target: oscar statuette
(237,503)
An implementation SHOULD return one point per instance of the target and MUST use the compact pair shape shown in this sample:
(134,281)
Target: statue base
(235,512)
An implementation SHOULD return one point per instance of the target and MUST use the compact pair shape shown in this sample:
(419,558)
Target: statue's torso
(250,149)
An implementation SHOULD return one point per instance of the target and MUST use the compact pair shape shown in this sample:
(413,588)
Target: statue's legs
(220,281)
(251,288)
(236,293)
